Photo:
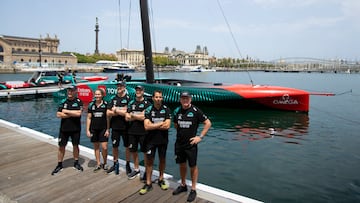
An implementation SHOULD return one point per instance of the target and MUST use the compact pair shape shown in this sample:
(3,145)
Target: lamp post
(40,51)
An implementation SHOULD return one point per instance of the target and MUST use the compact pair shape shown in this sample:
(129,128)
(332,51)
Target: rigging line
(129,25)
(120,23)
(346,92)
(337,116)
(153,33)
(233,38)
(152,25)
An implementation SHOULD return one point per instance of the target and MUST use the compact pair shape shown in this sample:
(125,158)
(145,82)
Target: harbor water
(271,156)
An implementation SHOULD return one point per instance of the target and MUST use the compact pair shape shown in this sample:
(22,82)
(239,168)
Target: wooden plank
(25,176)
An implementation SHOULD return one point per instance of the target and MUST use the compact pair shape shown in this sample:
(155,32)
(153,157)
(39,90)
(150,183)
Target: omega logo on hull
(286,100)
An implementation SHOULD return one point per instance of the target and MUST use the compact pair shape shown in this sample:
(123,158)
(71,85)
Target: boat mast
(147,41)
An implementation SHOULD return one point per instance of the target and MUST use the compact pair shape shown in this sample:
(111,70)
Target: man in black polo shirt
(137,134)
(118,125)
(69,111)
(157,123)
(187,118)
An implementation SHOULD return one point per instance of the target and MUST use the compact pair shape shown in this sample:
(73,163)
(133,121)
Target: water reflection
(258,125)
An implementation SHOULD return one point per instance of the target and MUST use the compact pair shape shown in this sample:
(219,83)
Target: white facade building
(136,57)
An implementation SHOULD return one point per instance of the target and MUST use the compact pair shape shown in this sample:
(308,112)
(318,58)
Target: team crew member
(187,118)
(135,116)
(157,123)
(69,111)
(117,111)
(97,128)
(60,76)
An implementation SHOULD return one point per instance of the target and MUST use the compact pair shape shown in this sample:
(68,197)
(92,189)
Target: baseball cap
(121,83)
(185,94)
(73,88)
(139,87)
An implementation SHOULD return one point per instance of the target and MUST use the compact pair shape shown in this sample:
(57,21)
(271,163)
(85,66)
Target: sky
(264,30)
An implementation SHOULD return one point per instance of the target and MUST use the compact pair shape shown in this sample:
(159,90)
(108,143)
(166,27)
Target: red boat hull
(95,78)
(275,97)
(230,96)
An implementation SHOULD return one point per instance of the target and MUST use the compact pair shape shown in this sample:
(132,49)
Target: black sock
(76,162)
(60,163)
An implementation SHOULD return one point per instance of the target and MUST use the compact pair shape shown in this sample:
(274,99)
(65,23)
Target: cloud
(351,8)
(288,3)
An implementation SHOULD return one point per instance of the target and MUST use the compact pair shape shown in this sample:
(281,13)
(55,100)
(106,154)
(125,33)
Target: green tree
(164,61)
(93,58)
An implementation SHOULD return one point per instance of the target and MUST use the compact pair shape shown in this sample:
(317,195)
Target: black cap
(73,88)
(185,94)
(139,87)
(121,83)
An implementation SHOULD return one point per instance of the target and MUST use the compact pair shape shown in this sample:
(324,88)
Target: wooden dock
(28,157)
(28,93)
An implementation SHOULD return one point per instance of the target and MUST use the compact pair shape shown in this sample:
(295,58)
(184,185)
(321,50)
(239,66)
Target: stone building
(33,51)
(136,57)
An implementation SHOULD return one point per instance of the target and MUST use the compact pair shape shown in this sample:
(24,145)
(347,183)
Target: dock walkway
(28,157)
(29,93)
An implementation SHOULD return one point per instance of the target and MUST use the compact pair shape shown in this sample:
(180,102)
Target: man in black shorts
(137,134)
(69,111)
(118,125)
(187,118)
(157,123)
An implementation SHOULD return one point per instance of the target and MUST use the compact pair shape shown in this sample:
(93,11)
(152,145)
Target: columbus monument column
(97,36)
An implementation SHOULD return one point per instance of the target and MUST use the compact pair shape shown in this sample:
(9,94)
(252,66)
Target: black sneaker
(128,169)
(180,189)
(145,189)
(78,167)
(105,167)
(96,169)
(57,170)
(133,174)
(110,170)
(192,196)
(116,166)
(163,185)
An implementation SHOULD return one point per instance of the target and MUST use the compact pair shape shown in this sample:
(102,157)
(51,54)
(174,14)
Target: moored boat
(194,69)
(47,77)
(94,78)
(16,84)
(119,67)
(207,94)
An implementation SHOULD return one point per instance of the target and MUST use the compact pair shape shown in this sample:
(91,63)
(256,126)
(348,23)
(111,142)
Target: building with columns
(136,57)
(15,49)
